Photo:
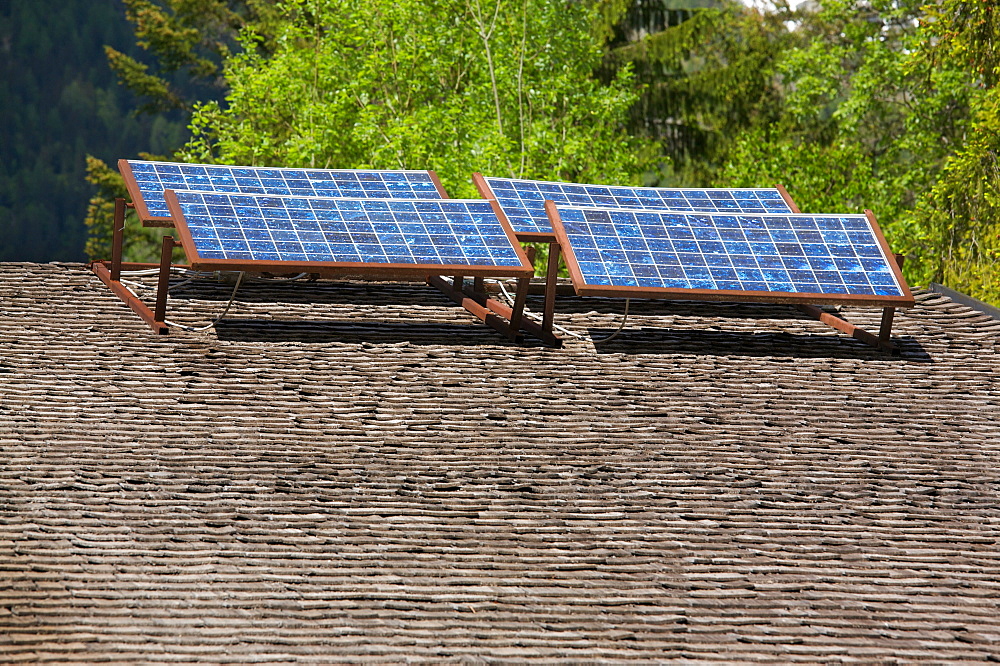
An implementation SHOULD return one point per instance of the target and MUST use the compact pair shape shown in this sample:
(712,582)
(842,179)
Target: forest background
(884,104)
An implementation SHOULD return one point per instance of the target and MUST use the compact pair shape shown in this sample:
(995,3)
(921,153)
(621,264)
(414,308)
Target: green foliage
(139,244)
(882,104)
(962,211)
(967,33)
(496,86)
(154,89)
(889,105)
(187,40)
(101,210)
(188,37)
(59,102)
(960,218)
(707,71)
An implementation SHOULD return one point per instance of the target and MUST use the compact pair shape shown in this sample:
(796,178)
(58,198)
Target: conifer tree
(187,40)
(706,70)
(892,105)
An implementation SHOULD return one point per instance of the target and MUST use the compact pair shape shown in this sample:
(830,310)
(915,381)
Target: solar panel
(761,257)
(413,237)
(146,182)
(522,201)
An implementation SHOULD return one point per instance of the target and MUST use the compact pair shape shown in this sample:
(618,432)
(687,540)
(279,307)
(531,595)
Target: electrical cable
(232,297)
(192,275)
(291,278)
(538,318)
(215,321)
(614,335)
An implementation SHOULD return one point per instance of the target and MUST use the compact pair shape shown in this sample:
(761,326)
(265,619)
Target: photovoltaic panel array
(152,178)
(267,229)
(828,255)
(522,201)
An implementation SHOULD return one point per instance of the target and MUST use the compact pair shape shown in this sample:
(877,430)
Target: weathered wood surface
(364,472)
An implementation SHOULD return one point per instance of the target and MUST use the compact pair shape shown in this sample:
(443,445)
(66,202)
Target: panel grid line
(153,178)
(371,231)
(522,201)
(789,253)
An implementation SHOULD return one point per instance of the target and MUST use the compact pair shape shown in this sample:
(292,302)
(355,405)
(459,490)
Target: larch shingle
(350,472)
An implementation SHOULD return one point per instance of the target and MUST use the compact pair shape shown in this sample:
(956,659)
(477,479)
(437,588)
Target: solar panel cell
(234,227)
(625,250)
(147,181)
(522,201)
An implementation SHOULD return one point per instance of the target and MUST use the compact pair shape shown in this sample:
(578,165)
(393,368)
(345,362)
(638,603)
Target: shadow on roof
(372,332)
(662,308)
(766,343)
(331,293)
(373,293)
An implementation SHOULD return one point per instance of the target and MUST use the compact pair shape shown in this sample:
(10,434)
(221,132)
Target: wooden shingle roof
(363,472)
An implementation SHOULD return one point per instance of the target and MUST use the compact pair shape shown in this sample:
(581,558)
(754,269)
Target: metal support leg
(517,312)
(885,330)
(475,307)
(117,238)
(551,279)
(844,326)
(163,284)
(530,251)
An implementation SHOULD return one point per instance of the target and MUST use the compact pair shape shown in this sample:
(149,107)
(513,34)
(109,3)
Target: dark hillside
(58,102)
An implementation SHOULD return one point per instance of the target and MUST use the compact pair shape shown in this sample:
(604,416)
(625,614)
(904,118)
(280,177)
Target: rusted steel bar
(551,277)
(117,239)
(504,310)
(121,291)
(481,312)
(163,283)
(888,314)
(787,197)
(847,327)
(520,297)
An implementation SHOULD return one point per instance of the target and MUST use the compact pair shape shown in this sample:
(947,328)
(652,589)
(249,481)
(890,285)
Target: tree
(187,41)
(500,86)
(890,105)
(707,71)
(962,210)
(59,102)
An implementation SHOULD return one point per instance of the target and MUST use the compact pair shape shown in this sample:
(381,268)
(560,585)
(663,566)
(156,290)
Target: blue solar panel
(800,254)
(263,228)
(522,201)
(152,178)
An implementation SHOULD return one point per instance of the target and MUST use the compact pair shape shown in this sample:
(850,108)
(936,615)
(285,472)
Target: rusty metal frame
(552,272)
(148,220)
(787,197)
(804,302)
(491,316)
(884,339)
(486,192)
(437,184)
(110,272)
(101,270)
(429,272)
(544,331)
(138,202)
